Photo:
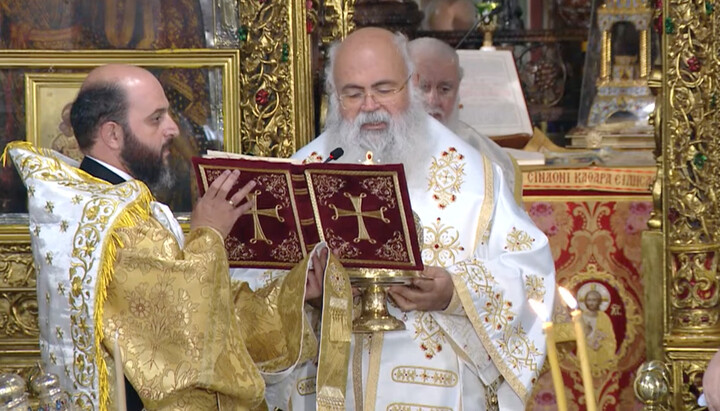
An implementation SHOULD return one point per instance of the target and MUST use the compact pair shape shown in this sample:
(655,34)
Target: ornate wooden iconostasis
(662,237)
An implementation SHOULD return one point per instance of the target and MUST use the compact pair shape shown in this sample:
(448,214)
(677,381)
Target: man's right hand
(214,210)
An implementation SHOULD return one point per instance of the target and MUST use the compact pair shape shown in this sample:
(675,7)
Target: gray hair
(433,46)
(401,42)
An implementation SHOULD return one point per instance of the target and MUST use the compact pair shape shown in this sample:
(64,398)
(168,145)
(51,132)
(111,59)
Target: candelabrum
(487,20)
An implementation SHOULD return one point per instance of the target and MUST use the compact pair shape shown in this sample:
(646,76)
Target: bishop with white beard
(471,341)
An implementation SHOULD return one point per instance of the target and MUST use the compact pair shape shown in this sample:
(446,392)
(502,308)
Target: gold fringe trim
(26,145)
(330,399)
(136,212)
(339,320)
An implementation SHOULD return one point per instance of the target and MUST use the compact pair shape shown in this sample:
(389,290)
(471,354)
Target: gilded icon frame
(61,71)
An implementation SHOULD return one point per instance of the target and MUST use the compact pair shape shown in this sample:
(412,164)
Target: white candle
(558,384)
(581,348)
(119,376)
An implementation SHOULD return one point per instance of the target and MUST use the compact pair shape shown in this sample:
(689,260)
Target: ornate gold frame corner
(276,101)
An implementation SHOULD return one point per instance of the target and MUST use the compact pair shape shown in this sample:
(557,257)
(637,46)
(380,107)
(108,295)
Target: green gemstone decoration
(242,33)
(713,101)
(669,26)
(285,53)
(709,8)
(699,160)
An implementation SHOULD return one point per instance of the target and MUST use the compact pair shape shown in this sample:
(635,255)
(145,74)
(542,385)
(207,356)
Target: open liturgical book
(492,100)
(361,211)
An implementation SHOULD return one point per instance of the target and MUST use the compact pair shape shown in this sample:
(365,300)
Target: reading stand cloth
(362,211)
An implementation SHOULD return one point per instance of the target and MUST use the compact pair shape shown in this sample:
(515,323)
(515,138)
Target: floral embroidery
(382,188)
(498,313)
(238,250)
(425,376)
(393,249)
(314,157)
(430,334)
(441,244)
(555,222)
(477,277)
(519,351)
(535,287)
(276,185)
(446,177)
(344,248)
(288,249)
(326,186)
(518,240)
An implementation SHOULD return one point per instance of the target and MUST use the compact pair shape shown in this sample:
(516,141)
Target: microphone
(335,154)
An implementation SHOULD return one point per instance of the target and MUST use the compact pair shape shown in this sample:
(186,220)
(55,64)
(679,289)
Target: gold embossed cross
(360,215)
(259,234)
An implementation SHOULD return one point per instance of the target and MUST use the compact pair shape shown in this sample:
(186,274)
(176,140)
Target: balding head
(120,74)
(121,116)
(438,75)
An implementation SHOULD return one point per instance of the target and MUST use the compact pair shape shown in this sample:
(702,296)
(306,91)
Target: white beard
(404,141)
(451,121)
(454,120)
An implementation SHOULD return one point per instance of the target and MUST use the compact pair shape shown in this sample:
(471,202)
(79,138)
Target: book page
(225,154)
(491,97)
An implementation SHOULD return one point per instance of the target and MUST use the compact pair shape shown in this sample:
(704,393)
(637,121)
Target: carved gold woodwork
(276,98)
(19,350)
(338,21)
(684,231)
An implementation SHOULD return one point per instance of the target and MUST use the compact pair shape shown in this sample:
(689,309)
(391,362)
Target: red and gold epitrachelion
(362,212)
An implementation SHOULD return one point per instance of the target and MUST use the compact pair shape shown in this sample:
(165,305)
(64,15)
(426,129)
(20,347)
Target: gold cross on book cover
(361,211)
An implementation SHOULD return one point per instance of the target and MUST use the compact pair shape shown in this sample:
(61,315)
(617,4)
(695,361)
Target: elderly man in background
(471,338)
(438,75)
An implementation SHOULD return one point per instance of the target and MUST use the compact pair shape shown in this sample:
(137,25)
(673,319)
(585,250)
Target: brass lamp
(374,316)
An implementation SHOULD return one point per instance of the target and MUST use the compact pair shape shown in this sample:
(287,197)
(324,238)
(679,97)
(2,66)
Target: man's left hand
(314,282)
(430,292)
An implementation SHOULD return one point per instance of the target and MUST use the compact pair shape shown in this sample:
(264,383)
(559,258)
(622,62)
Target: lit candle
(581,348)
(119,376)
(539,309)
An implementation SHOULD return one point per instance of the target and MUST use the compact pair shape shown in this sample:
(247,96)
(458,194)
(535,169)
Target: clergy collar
(115,170)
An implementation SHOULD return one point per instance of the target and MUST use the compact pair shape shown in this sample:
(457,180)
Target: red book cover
(361,211)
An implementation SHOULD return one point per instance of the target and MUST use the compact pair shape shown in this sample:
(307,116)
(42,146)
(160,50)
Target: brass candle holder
(374,315)
(373,282)
(487,21)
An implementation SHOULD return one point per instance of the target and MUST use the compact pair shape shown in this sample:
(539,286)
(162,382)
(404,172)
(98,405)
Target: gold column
(644,53)
(605,55)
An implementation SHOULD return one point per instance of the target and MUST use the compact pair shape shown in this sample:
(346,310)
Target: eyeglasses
(380,95)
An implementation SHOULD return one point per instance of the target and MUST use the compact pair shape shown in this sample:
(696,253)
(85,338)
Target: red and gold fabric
(594,218)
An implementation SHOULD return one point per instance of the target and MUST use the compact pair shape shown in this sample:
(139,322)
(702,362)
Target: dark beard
(144,164)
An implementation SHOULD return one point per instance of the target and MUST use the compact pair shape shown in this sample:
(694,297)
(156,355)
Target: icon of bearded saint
(65,142)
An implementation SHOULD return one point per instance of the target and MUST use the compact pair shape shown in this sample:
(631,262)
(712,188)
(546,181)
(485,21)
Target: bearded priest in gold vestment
(117,275)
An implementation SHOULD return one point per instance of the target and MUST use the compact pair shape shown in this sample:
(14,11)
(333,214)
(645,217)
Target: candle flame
(568,298)
(539,309)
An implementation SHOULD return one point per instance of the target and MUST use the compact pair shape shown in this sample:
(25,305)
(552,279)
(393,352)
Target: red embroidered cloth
(362,211)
